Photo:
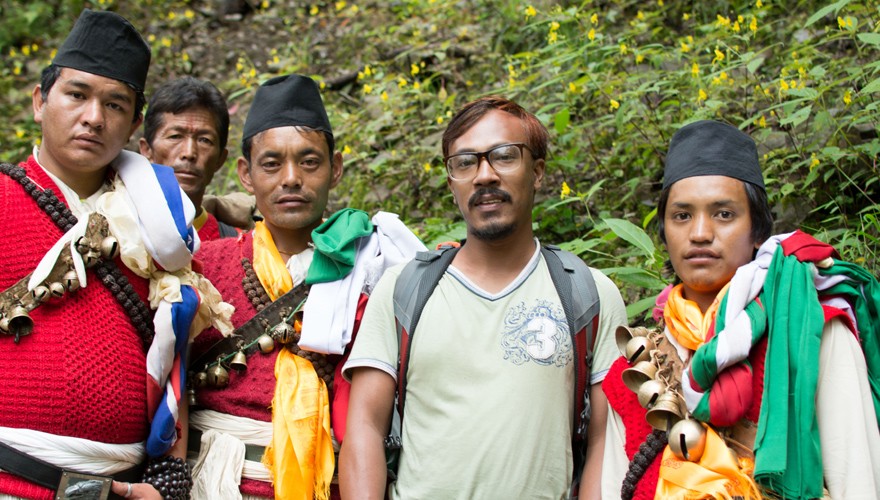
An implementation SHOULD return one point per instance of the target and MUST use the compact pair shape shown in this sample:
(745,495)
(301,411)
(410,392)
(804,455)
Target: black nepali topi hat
(283,101)
(106,44)
(710,147)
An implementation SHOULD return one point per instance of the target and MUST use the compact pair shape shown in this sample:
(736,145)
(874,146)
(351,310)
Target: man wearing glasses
(490,378)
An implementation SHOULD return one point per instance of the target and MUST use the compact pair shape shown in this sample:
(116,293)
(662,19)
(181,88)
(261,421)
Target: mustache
(503,195)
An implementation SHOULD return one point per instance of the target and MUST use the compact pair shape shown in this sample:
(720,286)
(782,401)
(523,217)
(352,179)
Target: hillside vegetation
(612,80)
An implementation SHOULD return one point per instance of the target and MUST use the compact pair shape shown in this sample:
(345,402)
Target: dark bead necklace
(260,299)
(106,269)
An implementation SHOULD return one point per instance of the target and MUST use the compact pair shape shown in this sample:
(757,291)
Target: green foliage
(612,80)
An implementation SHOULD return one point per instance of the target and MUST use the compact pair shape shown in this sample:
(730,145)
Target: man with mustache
(97,295)
(491,375)
(186,127)
(764,386)
(270,406)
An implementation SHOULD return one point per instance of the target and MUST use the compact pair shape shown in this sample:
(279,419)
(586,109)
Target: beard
(494,231)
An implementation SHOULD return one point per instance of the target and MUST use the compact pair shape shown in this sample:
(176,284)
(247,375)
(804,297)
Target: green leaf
(874,86)
(824,11)
(561,120)
(754,64)
(637,308)
(632,234)
(797,118)
(870,38)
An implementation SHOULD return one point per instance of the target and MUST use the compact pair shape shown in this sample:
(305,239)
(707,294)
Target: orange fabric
(269,265)
(684,319)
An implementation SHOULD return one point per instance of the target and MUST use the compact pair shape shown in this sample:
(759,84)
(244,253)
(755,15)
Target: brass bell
(4,324)
(109,247)
(191,397)
(687,439)
(218,376)
(40,293)
(239,361)
(200,380)
(20,322)
(91,258)
(639,349)
(284,333)
(642,372)
(665,413)
(56,290)
(70,281)
(83,245)
(622,335)
(649,393)
(266,343)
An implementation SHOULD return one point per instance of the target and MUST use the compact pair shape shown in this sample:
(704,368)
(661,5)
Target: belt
(53,477)
(252,452)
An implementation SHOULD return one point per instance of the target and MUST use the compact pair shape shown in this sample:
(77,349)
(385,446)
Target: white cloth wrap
(221,464)
(78,454)
(330,310)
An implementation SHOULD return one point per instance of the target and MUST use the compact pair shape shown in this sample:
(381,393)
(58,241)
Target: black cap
(283,101)
(709,147)
(106,44)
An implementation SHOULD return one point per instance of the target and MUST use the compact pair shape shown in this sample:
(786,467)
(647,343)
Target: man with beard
(490,380)
(186,127)
(271,406)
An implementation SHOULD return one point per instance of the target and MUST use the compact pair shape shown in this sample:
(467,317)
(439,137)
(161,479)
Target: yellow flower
(354,9)
(702,96)
(322,85)
(735,27)
(640,16)
(19,133)
(565,192)
(685,48)
(340,5)
(414,69)
(172,16)
(623,49)
(189,14)
(614,104)
(314,10)
(416,85)
(753,25)
(695,70)
(554,26)
(253,73)
(721,21)
(660,3)
(841,23)
(552,37)
(572,88)
(847,97)
(439,120)
(34,47)
(360,75)
(639,58)
(530,12)
(802,71)
(239,66)
(719,56)
(685,16)
(759,4)
(716,81)
(16,70)
(166,42)
(814,162)
(151,38)
(592,34)
(346,150)
(184,56)
(762,122)
(401,82)
(783,85)
(427,167)
(594,19)
(368,70)
(793,84)
(384,96)
(26,50)
(368,88)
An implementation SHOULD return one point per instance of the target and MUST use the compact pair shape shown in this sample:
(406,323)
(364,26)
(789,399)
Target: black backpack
(580,301)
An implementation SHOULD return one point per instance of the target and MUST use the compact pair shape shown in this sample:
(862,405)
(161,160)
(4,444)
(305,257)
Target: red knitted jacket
(249,393)
(82,371)
(210,230)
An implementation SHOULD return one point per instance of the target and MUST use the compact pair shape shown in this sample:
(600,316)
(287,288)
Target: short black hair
(184,94)
(246,144)
(759,212)
(52,72)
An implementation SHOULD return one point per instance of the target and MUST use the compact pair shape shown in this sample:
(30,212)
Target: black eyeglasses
(504,159)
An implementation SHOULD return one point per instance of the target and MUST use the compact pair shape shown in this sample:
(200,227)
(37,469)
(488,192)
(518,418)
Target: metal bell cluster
(92,251)
(666,410)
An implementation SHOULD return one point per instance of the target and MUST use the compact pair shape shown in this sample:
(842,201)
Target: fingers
(135,491)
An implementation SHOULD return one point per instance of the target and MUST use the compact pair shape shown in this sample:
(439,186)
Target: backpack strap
(414,286)
(580,301)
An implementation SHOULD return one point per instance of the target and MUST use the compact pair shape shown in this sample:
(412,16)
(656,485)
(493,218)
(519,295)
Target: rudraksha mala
(170,476)
(107,270)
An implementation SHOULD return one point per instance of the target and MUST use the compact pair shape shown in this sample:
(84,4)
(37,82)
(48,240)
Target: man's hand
(136,491)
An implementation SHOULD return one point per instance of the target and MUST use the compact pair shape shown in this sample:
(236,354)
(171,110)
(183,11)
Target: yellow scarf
(717,474)
(684,319)
(300,456)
